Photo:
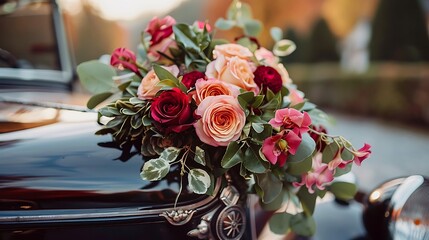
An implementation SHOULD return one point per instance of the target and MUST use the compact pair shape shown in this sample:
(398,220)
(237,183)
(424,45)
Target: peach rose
(222,120)
(148,86)
(232,50)
(235,71)
(213,87)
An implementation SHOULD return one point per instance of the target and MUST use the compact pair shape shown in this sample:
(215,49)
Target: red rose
(123,58)
(189,79)
(266,76)
(171,111)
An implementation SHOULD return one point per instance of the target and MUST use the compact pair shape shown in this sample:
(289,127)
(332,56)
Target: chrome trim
(87,216)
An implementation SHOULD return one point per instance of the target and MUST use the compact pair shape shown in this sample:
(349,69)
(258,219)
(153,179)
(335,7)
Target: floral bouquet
(218,108)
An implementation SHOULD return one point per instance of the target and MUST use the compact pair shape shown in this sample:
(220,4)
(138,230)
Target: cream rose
(222,120)
(148,86)
(239,73)
(232,50)
(213,87)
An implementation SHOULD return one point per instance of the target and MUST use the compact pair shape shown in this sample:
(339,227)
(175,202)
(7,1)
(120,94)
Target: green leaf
(308,201)
(184,35)
(97,99)
(318,117)
(170,154)
(233,155)
(298,168)
(96,77)
(109,112)
(155,169)
(252,27)
(303,225)
(276,33)
(267,132)
(224,24)
(270,185)
(343,190)
(275,204)
(146,121)
(258,101)
(164,74)
(252,161)
(342,171)
(200,156)
(136,100)
(284,47)
(128,112)
(279,223)
(329,152)
(258,127)
(199,181)
(305,149)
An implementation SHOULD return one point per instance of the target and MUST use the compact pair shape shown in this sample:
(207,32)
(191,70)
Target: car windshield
(31,46)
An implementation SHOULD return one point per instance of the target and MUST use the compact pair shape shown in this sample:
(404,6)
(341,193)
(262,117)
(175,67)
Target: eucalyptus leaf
(97,99)
(96,77)
(343,190)
(199,181)
(224,24)
(270,185)
(284,47)
(252,160)
(305,149)
(329,152)
(155,169)
(275,204)
(252,27)
(276,33)
(258,127)
(308,201)
(200,156)
(279,223)
(303,225)
(299,168)
(170,154)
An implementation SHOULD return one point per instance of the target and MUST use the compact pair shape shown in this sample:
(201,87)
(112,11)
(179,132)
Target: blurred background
(364,62)
(367,57)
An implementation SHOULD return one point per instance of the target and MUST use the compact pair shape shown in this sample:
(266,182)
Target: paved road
(397,150)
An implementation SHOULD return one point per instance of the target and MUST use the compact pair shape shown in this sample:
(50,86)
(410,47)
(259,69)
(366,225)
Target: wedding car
(58,180)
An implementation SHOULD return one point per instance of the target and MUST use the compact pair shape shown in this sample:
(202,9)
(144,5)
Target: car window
(33,45)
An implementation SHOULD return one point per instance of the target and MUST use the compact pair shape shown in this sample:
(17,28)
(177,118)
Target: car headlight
(399,209)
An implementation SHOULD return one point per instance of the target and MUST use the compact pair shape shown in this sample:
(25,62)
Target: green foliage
(280,222)
(269,185)
(199,181)
(155,169)
(305,149)
(343,190)
(96,77)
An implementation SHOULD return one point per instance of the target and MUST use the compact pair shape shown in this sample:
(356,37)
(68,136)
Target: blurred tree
(319,46)
(399,32)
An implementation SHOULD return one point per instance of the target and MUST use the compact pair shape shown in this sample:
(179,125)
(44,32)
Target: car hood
(56,161)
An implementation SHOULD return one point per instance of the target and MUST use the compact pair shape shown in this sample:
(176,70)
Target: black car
(58,180)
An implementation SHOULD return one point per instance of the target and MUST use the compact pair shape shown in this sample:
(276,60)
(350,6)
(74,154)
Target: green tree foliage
(399,32)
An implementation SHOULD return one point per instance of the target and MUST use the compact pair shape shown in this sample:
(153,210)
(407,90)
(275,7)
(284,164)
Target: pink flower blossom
(290,118)
(362,154)
(320,175)
(278,147)
(123,58)
(160,28)
(200,26)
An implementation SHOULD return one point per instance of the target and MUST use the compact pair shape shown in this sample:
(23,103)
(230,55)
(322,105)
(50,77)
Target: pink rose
(221,122)
(235,71)
(171,111)
(148,86)
(199,25)
(213,87)
(295,96)
(266,57)
(160,29)
(278,147)
(123,58)
(162,39)
(290,118)
(320,175)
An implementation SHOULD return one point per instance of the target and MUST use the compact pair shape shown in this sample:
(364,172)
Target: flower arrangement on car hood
(214,107)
